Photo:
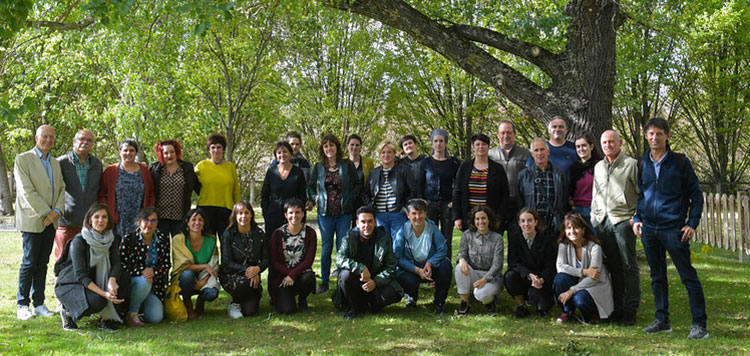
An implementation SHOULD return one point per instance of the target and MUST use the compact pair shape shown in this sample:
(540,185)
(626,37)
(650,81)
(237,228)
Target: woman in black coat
(532,255)
(486,175)
(89,275)
(283,181)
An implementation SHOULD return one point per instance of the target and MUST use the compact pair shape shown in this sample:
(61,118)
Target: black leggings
(248,298)
(217,219)
(303,286)
(516,285)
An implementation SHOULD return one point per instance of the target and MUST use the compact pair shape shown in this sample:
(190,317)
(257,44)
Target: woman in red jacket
(126,188)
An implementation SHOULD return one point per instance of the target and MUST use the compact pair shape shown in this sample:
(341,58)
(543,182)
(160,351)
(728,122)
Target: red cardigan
(107,189)
(278,269)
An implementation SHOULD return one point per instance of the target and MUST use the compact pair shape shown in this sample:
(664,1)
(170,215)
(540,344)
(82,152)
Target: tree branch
(61,26)
(537,55)
(456,48)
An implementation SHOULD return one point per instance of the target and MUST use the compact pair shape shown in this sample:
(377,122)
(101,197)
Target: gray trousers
(465,284)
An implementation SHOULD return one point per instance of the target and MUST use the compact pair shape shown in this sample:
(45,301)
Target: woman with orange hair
(174,182)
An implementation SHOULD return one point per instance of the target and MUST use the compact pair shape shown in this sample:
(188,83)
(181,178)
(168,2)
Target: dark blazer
(497,192)
(74,274)
(399,182)
(78,201)
(188,174)
(316,186)
(540,259)
(278,269)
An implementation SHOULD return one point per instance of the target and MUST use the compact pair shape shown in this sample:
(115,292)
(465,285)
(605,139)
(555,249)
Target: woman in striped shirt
(479,181)
(386,190)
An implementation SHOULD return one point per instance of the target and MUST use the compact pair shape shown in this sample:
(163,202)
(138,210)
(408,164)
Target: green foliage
(13,14)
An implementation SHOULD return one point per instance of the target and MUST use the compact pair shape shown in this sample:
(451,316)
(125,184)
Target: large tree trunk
(6,198)
(583,76)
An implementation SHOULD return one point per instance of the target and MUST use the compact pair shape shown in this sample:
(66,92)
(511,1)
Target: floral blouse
(136,256)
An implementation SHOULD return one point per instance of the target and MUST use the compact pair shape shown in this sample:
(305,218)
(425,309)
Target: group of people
(571,218)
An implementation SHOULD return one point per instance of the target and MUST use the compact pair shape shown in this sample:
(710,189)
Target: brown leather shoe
(189,307)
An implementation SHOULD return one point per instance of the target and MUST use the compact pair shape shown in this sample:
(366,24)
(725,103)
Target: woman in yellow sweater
(220,187)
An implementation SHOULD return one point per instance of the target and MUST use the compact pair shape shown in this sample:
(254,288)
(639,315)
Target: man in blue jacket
(668,212)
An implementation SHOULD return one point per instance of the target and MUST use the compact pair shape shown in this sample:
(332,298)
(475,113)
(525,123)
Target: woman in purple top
(582,176)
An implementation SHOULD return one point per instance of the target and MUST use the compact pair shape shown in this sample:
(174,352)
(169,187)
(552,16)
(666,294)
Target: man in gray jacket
(81,173)
(513,159)
(614,197)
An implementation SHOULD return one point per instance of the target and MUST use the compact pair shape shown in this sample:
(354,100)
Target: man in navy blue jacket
(668,212)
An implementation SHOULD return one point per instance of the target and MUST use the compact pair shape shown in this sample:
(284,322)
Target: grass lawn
(397,331)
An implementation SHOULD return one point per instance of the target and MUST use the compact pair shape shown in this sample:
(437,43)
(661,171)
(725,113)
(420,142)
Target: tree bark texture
(582,76)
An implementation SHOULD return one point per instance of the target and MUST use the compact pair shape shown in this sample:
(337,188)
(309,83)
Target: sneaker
(322,289)
(68,323)
(234,311)
(108,326)
(42,310)
(491,307)
(134,320)
(463,309)
(697,332)
(521,312)
(563,318)
(439,308)
(24,313)
(410,303)
(658,326)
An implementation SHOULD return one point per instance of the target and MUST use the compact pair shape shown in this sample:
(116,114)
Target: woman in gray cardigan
(582,280)
(89,275)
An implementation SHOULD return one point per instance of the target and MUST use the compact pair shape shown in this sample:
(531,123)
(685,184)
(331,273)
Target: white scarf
(99,245)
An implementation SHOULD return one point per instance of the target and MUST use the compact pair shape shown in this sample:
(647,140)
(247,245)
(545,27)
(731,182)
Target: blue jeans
(37,248)
(338,224)
(187,284)
(655,244)
(143,300)
(392,221)
(581,300)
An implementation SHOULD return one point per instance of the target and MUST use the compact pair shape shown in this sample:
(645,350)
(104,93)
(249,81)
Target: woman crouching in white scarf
(89,274)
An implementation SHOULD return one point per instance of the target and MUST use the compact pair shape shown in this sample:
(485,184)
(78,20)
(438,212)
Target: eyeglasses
(150,221)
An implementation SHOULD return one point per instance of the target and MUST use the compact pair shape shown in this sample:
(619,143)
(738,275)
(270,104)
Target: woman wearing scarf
(91,253)
(195,259)
(145,256)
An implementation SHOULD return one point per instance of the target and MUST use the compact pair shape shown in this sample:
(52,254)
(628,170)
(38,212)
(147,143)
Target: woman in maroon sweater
(293,248)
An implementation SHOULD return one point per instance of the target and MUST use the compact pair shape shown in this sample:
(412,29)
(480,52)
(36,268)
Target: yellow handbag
(173,306)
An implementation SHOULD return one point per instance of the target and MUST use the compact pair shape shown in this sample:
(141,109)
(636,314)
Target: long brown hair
(236,209)
(577,221)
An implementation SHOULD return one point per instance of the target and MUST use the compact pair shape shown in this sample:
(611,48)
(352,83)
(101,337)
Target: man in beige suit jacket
(40,200)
